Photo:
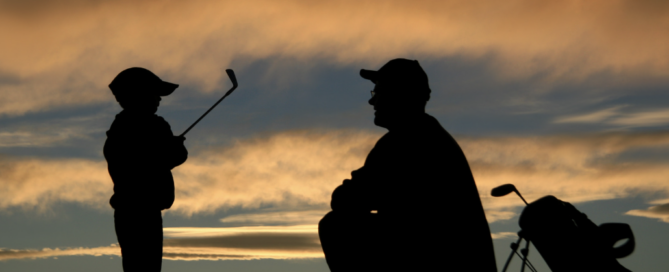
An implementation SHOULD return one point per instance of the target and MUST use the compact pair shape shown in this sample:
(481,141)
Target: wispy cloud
(241,243)
(12,254)
(276,218)
(660,212)
(273,240)
(644,118)
(50,132)
(592,117)
(614,116)
(287,169)
(276,242)
(573,168)
(504,235)
(238,243)
(298,169)
(187,232)
(39,183)
(59,55)
(494,215)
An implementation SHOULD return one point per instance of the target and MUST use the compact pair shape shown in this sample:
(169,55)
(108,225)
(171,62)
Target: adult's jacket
(419,181)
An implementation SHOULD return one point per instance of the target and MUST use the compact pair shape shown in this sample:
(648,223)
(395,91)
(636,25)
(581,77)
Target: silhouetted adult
(141,152)
(428,214)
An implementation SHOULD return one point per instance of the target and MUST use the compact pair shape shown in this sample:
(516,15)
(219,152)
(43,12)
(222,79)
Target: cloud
(302,168)
(644,118)
(301,238)
(660,212)
(276,218)
(593,117)
(498,215)
(504,235)
(613,116)
(188,232)
(573,168)
(26,138)
(275,242)
(52,131)
(295,172)
(290,169)
(237,243)
(241,243)
(40,183)
(13,254)
(61,54)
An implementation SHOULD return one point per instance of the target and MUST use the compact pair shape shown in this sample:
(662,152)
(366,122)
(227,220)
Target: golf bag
(566,238)
(569,241)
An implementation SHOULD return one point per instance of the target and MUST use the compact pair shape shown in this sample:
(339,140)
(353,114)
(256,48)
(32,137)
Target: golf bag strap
(614,232)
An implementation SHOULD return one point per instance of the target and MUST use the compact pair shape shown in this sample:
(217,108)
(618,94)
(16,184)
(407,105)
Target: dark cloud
(266,241)
(9,79)
(661,209)
(83,43)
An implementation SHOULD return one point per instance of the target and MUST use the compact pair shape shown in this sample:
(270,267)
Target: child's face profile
(141,103)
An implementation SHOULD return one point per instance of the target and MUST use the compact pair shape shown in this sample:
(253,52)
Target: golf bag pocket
(569,241)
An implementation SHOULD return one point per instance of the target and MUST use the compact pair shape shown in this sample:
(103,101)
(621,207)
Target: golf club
(506,189)
(231,75)
(503,190)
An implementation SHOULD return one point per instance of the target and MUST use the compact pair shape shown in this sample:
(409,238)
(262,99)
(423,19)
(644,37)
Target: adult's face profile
(388,105)
(401,92)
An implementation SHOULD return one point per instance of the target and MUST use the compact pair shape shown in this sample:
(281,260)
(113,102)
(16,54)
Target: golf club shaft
(525,252)
(514,247)
(521,197)
(231,74)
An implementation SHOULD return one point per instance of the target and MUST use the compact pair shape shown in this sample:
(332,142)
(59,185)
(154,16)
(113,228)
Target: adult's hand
(339,197)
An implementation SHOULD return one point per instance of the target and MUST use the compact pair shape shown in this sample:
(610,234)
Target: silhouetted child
(141,152)
(429,215)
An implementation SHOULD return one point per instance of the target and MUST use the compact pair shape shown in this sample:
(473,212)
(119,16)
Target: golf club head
(503,190)
(231,75)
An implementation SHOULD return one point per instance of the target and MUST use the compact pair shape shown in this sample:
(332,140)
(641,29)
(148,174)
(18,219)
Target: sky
(563,98)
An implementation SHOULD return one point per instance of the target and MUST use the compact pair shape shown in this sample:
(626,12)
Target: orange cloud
(13,254)
(290,168)
(504,235)
(238,243)
(58,54)
(40,183)
(297,170)
(573,168)
(242,243)
(660,212)
(277,217)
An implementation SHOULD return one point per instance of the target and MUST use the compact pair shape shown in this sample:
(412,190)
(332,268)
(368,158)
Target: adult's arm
(365,190)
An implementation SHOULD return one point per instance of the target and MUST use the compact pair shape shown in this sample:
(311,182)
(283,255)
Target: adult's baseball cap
(401,75)
(135,80)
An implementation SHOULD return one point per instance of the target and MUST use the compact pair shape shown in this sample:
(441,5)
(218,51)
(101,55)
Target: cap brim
(369,75)
(167,88)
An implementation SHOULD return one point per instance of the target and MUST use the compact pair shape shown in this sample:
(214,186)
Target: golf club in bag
(566,238)
(233,78)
